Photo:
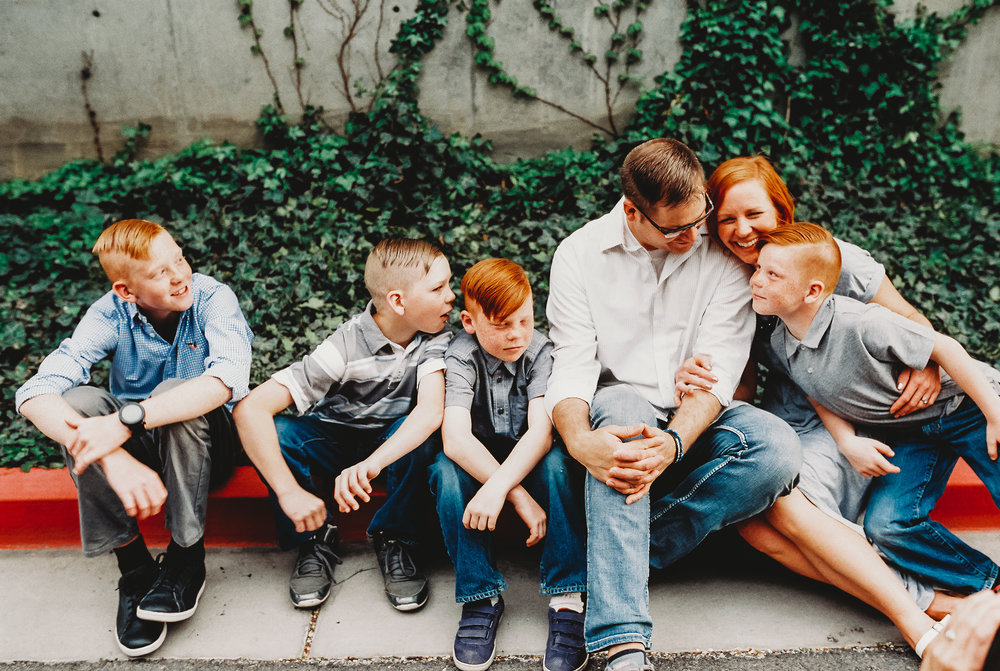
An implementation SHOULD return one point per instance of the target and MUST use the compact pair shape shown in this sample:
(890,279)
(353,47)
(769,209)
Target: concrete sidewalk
(59,607)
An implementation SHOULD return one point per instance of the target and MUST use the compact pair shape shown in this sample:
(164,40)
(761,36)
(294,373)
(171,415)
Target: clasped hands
(628,458)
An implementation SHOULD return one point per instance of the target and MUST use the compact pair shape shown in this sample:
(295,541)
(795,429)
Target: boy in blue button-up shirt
(497,439)
(163,434)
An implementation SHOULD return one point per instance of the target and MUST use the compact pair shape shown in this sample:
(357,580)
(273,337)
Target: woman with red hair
(813,530)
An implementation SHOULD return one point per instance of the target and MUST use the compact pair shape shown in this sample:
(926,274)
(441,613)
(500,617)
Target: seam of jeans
(618,639)
(690,493)
(551,591)
(485,594)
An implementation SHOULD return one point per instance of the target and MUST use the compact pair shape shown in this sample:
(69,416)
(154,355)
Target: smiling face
(507,338)
(745,214)
(161,284)
(641,223)
(779,283)
(427,301)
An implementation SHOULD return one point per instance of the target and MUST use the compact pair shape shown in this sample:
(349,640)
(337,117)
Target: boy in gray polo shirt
(357,417)
(846,356)
(497,440)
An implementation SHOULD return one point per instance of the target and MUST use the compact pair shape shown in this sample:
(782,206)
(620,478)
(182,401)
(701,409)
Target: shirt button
(809,370)
(499,411)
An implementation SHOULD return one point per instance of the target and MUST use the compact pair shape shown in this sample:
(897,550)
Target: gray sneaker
(313,575)
(405,584)
(632,660)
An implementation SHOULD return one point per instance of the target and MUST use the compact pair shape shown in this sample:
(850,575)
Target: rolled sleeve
(69,366)
(459,381)
(229,338)
(433,358)
(575,366)
(541,371)
(726,331)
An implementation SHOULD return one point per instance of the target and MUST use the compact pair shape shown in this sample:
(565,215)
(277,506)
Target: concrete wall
(185,68)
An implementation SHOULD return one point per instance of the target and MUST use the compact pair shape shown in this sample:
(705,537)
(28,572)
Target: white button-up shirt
(613,320)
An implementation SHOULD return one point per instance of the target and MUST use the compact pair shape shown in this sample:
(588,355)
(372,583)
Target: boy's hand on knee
(94,438)
(868,456)
(533,515)
(484,508)
(139,487)
(307,512)
(354,483)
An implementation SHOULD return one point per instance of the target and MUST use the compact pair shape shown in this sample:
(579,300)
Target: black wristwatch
(133,416)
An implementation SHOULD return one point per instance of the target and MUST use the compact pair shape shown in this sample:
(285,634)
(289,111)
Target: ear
(467,323)
(122,291)
(394,299)
(631,211)
(815,292)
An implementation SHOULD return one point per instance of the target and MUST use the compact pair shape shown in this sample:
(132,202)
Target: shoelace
(318,562)
(398,562)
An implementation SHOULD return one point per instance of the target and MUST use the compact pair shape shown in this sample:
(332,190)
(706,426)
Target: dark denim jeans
(554,483)
(899,505)
(317,451)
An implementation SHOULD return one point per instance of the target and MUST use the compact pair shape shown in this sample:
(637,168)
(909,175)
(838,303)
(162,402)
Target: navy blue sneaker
(565,650)
(476,640)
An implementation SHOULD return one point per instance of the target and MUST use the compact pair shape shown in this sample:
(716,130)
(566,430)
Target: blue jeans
(551,483)
(737,468)
(316,451)
(897,517)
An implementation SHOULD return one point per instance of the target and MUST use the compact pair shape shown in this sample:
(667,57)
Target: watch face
(132,414)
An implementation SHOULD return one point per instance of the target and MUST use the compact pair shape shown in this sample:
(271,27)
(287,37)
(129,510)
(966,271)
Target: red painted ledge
(38,510)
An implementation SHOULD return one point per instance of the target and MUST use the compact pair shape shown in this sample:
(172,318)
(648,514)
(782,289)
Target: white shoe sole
(139,652)
(155,616)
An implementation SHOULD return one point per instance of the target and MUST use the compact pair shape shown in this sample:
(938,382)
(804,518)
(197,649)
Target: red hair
(497,286)
(124,241)
(744,169)
(819,256)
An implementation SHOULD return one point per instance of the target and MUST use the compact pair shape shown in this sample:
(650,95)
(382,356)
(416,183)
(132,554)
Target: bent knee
(89,401)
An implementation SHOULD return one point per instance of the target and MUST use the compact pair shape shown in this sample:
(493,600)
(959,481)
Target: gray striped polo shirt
(359,378)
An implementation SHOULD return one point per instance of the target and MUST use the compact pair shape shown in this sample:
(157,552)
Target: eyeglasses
(671,233)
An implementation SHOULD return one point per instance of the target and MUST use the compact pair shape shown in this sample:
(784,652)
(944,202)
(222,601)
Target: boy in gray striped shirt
(368,398)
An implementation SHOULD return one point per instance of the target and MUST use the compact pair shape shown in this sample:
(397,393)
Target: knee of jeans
(445,479)
(621,405)
(166,385)
(89,401)
(784,453)
(883,530)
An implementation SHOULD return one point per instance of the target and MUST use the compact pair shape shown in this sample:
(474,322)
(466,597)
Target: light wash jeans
(563,565)
(897,519)
(737,468)
(189,457)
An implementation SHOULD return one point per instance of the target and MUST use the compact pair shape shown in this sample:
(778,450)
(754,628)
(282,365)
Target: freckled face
(161,284)
(745,214)
(778,283)
(506,339)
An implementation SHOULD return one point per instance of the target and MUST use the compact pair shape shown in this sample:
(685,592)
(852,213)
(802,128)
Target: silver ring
(923,400)
(949,634)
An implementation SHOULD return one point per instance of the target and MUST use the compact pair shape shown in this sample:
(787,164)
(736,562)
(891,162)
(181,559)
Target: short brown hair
(820,255)
(122,241)
(395,264)
(497,286)
(661,171)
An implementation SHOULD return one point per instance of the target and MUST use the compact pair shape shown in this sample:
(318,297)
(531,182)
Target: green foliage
(853,125)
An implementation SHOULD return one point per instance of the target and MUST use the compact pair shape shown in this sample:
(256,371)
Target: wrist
(678,443)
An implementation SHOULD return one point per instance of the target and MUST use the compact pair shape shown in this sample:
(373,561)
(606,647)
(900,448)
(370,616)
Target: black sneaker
(313,575)
(565,649)
(175,594)
(476,639)
(405,584)
(137,637)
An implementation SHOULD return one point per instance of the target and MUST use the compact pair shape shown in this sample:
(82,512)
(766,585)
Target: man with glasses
(631,296)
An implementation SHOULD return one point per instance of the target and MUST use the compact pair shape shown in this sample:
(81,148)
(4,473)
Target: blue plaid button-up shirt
(212,338)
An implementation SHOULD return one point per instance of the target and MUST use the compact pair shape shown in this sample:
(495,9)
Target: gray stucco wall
(185,68)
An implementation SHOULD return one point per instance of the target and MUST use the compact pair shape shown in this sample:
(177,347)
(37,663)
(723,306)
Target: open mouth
(746,245)
(180,292)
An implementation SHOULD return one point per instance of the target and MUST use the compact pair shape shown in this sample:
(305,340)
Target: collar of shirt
(621,236)
(817,329)
(493,363)
(374,339)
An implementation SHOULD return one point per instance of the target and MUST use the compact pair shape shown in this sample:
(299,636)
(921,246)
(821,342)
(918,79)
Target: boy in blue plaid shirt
(163,434)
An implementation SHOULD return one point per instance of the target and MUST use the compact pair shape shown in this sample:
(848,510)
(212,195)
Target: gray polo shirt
(496,392)
(852,355)
(860,278)
(359,378)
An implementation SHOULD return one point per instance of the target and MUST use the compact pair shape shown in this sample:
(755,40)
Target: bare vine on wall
(86,72)
(351,20)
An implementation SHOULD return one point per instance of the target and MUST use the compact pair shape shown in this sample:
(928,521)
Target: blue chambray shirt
(212,338)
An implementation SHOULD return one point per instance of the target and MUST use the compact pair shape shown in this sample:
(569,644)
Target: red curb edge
(38,510)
